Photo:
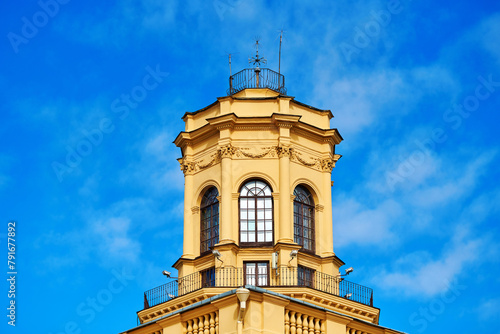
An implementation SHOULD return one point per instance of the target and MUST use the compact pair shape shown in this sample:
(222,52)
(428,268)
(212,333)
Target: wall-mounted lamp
(168,274)
(218,255)
(347,272)
(293,255)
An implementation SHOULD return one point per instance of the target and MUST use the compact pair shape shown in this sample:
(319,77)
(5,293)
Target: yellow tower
(258,242)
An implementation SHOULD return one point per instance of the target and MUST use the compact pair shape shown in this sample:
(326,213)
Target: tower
(258,242)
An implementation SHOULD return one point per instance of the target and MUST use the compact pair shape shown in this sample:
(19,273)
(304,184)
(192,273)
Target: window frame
(304,281)
(213,239)
(255,243)
(256,263)
(208,277)
(301,217)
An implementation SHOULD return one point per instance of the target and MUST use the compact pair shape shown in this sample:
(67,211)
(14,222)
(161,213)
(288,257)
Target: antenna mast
(229,55)
(279,61)
(230,73)
(257,60)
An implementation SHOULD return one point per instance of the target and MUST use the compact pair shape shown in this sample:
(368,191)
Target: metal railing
(281,277)
(256,78)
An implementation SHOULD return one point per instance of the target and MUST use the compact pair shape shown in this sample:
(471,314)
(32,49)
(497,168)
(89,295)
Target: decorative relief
(187,167)
(313,163)
(229,151)
(284,125)
(190,167)
(266,151)
(327,165)
(195,210)
(319,207)
(224,126)
(284,151)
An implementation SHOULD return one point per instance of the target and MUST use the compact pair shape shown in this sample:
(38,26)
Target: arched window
(256,213)
(303,218)
(209,227)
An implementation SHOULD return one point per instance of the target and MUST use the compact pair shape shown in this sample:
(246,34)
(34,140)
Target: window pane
(267,191)
(250,273)
(260,237)
(260,184)
(251,214)
(251,237)
(244,226)
(268,202)
(260,225)
(260,214)
(243,203)
(244,237)
(269,225)
(269,236)
(260,203)
(262,273)
(243,214)
(269,214)
(251,225)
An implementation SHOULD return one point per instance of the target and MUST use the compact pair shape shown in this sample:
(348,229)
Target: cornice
(275,121)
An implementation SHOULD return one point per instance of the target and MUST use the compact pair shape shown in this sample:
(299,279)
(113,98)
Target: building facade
(258,241)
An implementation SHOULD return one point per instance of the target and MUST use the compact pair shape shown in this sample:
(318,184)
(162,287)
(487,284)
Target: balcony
(282,277)
(256,78)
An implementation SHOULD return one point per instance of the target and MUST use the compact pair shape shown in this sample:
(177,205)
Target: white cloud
(487,32)
(489,309)
(425,275)
(114,239)
(450,185)
(156,167)
(360,225)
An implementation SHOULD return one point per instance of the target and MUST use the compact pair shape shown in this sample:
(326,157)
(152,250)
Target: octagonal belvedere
(258,214)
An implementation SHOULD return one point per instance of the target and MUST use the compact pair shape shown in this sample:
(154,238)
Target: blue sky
(91,98)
